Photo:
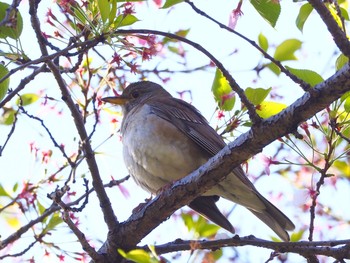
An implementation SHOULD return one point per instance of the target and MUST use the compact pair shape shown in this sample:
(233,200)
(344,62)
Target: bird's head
(137,93)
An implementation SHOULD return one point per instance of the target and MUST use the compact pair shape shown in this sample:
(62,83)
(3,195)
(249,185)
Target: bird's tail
(237,188)
(274,218)
(205,205)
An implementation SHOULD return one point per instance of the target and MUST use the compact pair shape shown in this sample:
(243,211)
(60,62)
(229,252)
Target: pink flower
(235,14)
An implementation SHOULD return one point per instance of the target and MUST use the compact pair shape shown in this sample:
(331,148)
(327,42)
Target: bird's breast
(156,152)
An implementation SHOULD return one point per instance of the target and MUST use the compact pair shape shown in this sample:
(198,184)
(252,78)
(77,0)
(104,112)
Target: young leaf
(347,104)
(256,96)
(14,28)
(207,230)
(304,12)
(274,68)
(113,12)
(8,117)
(341,61)
(169,3)
(41,208)
(222,91)
(54,221)
(104,7)
(285,51)
(297,236)
(309,76)
(343,168)
(263,42)
(267,109)
(3,192)
(122,20)
(27,99)
(269,10)
(137,255)
(5,84)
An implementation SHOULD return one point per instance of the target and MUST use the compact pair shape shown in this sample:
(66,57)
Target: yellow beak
(120,100)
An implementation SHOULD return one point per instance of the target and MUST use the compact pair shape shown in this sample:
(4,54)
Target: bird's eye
(135,94)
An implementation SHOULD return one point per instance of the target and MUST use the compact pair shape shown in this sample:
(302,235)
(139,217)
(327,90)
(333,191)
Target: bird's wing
(189,120)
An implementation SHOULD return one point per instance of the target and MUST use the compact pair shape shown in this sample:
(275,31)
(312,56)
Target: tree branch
(336,249)
(339,36)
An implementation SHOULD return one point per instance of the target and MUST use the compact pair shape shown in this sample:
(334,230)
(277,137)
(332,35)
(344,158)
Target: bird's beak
(120,100)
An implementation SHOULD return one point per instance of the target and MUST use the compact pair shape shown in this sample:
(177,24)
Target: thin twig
(82,239)
(2,148)
(255,118)
(55,143)
(305,86)
(20,253)
(22,85)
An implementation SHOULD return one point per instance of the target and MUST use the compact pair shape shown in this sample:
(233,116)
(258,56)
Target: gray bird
(165,139)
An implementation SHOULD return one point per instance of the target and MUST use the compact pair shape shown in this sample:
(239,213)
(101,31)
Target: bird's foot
(141,205)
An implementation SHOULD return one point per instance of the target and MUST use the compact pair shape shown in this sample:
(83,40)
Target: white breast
(155,152)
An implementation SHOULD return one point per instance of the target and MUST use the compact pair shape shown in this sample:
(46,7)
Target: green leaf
(169,3)
(343,168)
(41,208)
(256,96)
(344,13)
(309,76)
(3,192)
(4,86)
(207,230)
(263,42)
(54,221)
(341,61)
(105,8)
(347,104)
(297,236)
(122,20)
(267,109)
(188,220)
(274,68)
(137,255)
(27,99)
(222,91)
(285,51)
(181,33)
(8,117)
(268,9)
(113,12)
(14,188)
(15,28)
(345,95)
(304,12)
(80,15)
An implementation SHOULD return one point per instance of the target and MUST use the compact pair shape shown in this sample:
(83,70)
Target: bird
(165,138)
